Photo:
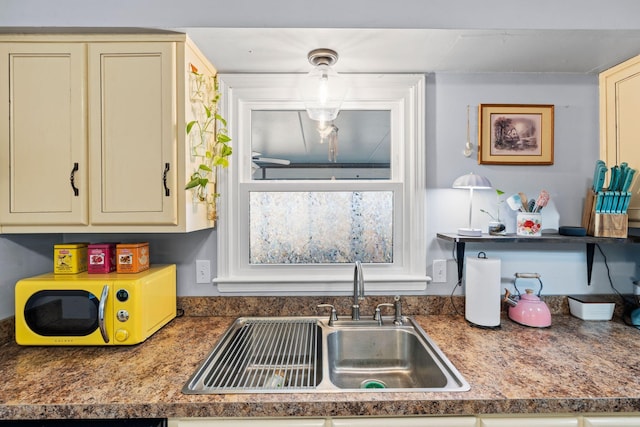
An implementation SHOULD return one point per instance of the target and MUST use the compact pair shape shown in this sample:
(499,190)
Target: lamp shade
(323,90)
(472,181)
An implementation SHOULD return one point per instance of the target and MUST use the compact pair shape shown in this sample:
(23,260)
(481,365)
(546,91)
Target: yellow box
(70,258)
(132,257)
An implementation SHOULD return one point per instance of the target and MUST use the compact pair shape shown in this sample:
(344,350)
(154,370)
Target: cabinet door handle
(72,178)
(164,179)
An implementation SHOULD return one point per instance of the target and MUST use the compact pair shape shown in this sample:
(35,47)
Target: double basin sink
(307,354)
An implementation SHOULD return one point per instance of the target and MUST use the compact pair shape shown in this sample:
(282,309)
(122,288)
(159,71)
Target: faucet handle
(398,306)
(377,316)
(334,314)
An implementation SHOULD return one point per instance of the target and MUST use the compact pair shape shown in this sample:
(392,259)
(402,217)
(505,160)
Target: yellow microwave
(94,309)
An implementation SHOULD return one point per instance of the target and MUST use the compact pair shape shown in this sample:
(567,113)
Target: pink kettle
(528,309)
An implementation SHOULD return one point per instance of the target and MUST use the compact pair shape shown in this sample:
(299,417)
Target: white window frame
(403,94)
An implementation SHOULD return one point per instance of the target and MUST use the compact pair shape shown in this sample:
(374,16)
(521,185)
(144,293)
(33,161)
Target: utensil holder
(529,224)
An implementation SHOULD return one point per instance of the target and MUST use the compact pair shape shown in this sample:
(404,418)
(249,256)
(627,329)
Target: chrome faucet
(358,291)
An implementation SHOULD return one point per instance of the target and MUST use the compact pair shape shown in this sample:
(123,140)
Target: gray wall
(576,144)
(576,140)
(460,14)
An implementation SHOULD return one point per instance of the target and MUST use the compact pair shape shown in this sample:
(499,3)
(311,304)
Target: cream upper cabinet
(131,119)
(105,114)
(43,151)
(619,124)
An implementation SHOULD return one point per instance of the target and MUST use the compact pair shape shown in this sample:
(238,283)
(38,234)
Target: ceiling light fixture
(323,90)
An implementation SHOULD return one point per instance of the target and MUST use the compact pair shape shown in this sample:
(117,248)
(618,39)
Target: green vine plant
(208,135)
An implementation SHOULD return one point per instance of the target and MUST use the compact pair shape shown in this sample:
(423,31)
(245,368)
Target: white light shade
(472,181)
(323,90)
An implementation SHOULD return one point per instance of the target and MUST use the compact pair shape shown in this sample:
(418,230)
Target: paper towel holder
(482,292)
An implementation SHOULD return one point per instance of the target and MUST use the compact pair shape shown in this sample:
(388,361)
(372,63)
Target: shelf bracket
(590,252)
(460,247)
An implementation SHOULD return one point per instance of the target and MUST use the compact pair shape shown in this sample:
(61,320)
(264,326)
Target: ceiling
(276,50)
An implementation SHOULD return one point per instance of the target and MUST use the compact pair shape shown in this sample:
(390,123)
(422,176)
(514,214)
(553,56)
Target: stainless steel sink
(295,354)
(382,357)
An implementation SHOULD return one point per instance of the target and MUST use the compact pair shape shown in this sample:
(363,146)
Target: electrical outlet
(203,271)
(439,270)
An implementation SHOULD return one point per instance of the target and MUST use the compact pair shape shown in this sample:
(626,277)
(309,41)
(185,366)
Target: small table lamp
(471,182)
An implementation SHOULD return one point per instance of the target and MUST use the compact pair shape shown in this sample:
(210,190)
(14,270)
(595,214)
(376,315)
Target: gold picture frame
(515,134)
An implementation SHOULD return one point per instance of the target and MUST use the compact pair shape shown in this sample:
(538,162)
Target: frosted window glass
(312,227)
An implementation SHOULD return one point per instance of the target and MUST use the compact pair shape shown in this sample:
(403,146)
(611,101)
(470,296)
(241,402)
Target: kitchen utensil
(541,201)
(468,146)
(599,176)
(628,179)
(615,177)
(524,201)
(624,170)
(528,309)
(514,202)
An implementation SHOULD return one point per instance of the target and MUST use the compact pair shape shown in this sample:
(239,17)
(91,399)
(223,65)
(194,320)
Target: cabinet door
(132,133)
(43,151)
(612,421)
(542,421)
(246,422)
(405,422)
(619,124)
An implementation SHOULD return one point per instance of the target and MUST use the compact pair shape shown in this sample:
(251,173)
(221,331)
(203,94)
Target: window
(301,204)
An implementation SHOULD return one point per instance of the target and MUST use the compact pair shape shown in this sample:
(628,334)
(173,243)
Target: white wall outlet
(203,271)
(439,270)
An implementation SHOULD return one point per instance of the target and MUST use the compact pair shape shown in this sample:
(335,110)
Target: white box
(591,307)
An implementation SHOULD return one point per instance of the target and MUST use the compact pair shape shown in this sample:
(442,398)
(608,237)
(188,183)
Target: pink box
(101,257)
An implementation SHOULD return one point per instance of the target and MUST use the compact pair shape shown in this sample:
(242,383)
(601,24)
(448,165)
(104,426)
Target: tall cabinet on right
(620,123)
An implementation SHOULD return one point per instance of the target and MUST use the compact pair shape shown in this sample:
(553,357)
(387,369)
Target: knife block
(602,224)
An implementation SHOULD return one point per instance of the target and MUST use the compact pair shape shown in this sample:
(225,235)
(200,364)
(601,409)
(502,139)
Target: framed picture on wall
(515,134)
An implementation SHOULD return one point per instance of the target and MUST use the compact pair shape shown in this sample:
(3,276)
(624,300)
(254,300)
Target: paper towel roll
(482,291)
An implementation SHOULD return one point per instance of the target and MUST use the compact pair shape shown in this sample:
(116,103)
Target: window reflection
(289,145)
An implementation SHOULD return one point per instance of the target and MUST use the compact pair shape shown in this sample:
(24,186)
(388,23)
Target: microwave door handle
(103,302)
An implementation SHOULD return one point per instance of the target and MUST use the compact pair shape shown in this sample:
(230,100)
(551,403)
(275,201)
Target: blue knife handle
(599,177)
(627,200)
(608,198)
(615,175)
(599,198)
(628,179)
(615,201)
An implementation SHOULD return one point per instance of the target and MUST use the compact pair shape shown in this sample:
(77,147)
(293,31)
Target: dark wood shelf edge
(545,238)
(589,241)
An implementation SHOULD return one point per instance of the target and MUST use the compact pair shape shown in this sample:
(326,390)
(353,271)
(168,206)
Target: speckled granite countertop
(572,367)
